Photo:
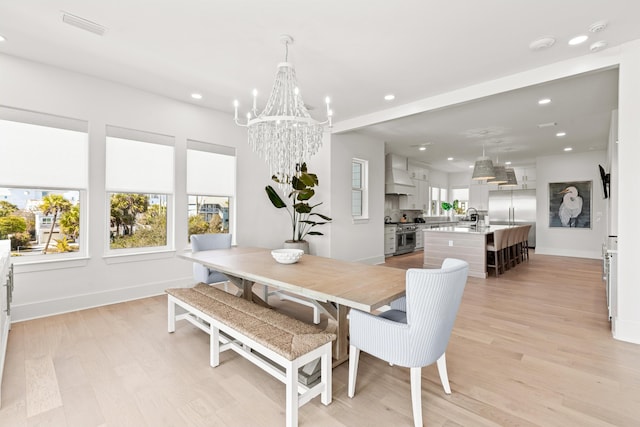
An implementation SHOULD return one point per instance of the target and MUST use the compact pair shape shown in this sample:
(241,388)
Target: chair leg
(354,355)
(416,395)
(444,377)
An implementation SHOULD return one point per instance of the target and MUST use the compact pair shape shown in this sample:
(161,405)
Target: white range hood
(398,181)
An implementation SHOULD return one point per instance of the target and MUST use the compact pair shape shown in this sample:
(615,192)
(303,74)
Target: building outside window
(139,184)
(211,177)
(43,185)
(359,191)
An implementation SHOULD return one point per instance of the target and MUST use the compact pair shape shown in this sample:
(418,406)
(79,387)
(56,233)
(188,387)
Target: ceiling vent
(83,24)
(547,125)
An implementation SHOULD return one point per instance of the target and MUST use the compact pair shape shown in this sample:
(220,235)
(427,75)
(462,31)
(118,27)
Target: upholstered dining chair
(205,242)
(416,331)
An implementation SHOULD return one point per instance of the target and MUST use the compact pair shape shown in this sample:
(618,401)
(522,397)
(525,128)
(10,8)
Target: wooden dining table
(336,285)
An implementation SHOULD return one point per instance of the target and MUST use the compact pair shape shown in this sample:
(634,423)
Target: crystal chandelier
(284,134)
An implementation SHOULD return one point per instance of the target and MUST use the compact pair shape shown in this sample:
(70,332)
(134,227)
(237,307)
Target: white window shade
(210,173)
(34,155)
(138,167)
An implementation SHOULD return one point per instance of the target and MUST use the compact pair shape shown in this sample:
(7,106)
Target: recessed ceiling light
(578,39)
(422,148)
(542,43)
(389,97)
(568,149)
(2,38)
(598,46)
(471,166)
(561,134)
(507,163)
(449,158)
(196,96)
(544,101)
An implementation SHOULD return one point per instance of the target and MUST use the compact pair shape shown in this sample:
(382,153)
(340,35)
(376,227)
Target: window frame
(145,137)
(44,261)
(363,190)
(200,191)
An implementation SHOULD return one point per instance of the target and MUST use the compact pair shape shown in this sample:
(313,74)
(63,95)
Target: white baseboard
(372,260)
(540,250)
(34,310)
(625,330)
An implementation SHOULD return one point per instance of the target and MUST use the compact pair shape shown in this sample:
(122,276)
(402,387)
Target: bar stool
(525,242)
(512,250)
(497,248)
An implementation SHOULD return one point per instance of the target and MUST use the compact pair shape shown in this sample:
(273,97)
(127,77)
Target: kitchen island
(466,243)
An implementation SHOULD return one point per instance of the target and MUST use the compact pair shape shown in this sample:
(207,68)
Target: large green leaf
(308,179)
(274,197)
(302,208)
(297,183)
(326,218)
(306,194)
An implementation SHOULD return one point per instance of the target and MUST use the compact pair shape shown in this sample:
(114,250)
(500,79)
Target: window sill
(49,264)
(139,256)
(360,221)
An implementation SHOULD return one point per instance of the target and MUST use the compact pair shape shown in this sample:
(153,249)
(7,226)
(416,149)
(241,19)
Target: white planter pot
(302,244)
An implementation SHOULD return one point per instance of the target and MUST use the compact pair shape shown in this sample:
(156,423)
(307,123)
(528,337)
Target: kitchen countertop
(468,230)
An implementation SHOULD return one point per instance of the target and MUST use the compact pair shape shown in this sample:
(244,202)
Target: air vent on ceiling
(547,125)
(83,24)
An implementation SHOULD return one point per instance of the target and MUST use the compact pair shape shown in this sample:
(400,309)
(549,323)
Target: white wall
(363,241)
(64,286)
(576,242)
(626,325)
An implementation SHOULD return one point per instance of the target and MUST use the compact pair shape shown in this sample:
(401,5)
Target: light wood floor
(531,348)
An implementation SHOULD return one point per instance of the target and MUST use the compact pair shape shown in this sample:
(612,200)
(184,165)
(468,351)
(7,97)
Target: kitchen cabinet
(6,287)
(526,177)
(418,170)
(417,201)
(389,240)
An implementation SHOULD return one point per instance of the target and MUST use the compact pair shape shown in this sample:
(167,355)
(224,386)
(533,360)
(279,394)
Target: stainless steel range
(405,238)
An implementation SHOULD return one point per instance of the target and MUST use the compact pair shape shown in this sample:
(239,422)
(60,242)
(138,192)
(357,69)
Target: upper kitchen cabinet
(526,177)
(417,200)
(418,170)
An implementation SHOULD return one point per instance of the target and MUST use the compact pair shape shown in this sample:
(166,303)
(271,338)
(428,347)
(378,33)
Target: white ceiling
(356,51)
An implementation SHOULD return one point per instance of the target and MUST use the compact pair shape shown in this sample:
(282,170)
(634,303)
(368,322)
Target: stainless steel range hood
(398,181)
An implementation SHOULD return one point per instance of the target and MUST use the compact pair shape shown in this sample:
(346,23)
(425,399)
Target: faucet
(472,217)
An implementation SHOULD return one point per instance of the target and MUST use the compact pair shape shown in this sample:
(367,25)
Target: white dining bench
(273,341)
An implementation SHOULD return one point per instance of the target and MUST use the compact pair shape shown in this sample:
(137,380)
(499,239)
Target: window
(359,192)
(43,182)
(139,184)
(211,175)
(462,196)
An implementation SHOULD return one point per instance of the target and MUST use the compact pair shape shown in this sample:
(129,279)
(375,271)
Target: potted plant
(303,219)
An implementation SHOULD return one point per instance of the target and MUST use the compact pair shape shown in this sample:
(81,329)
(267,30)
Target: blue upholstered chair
(416,331)
(205,242)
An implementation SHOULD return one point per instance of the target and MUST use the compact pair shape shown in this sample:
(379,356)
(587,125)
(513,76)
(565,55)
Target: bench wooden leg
(291,413)
(171,315)
(214,346)
(325,374)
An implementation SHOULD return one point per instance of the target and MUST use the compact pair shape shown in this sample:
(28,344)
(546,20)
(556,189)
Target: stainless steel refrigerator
(514,207)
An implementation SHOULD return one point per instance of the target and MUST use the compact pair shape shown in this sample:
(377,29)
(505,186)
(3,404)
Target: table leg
(247,290)
(339,325)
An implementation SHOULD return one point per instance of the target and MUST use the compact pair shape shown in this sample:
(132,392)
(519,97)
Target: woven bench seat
(249,328)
